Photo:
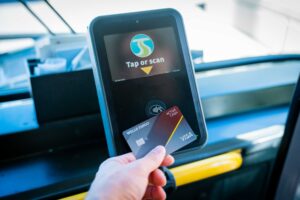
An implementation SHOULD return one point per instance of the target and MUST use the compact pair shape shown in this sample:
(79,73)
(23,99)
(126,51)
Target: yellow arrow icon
(147,69)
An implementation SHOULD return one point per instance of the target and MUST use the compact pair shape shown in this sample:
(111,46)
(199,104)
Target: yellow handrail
(206,168)
(79,196)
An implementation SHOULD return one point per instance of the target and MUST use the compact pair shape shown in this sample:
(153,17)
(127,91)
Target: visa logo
(186,136)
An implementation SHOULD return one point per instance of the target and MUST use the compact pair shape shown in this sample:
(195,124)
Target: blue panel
(269,75)
(17,116)
(230,127)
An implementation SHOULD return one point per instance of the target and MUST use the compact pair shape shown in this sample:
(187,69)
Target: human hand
(124,177)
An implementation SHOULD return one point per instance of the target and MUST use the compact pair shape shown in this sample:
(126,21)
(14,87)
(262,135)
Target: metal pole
(60,17)
(36,17)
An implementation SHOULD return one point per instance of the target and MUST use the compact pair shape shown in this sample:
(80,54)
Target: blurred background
(223,30)
(52,33)
(246,56)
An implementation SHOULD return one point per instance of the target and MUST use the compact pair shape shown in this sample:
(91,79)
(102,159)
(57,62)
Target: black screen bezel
(132,22)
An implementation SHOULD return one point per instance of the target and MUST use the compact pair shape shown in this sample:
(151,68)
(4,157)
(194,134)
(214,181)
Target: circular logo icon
(141,45)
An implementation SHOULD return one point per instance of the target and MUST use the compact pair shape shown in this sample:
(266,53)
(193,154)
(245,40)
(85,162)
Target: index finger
(169,160)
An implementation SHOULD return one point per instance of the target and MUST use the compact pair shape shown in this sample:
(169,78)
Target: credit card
(181,137)
(169,129)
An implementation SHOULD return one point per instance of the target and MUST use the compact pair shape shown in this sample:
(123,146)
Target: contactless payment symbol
(141,45)
(154,107)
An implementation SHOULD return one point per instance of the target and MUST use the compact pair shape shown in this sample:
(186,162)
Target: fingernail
(158,150)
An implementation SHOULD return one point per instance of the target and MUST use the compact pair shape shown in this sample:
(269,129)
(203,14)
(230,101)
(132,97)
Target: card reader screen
(142,53)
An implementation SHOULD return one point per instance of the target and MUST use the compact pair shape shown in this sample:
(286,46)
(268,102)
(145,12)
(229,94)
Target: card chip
(140,142)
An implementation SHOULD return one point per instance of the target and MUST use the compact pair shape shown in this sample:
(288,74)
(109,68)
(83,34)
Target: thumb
(153,159)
